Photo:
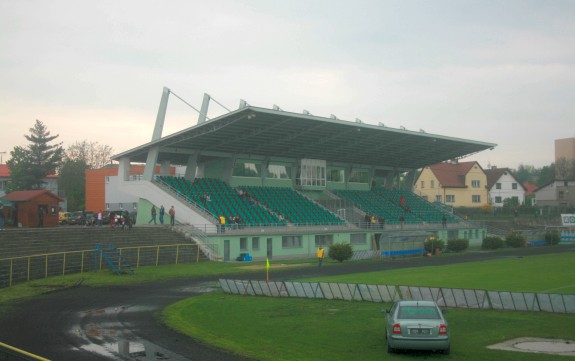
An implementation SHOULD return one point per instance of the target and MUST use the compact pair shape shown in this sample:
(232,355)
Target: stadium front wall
(294,244)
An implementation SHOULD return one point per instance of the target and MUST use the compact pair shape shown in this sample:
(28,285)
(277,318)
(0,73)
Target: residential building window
(134,205)
(422,184)
(121,206)
(438,199)
(475,183)
(449,198)
(432,183)
(561,195)
(476,199)
(425,197)
(243,244)
(358,238)
(256,243)
(108,206)
(107,180)
(513,185)
(497,199)
(291,242)
(497,185)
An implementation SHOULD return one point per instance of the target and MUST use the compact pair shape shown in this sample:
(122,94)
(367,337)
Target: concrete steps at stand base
(34,241)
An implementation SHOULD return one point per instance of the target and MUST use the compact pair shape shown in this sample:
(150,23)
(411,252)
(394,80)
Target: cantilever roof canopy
(275,134)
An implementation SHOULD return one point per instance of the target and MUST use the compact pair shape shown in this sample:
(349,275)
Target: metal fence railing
(26,268)
(445,297)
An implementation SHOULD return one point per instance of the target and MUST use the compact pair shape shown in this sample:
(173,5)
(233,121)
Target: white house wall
(506,191)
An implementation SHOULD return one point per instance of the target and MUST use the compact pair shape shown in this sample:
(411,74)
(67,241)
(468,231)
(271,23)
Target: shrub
(340,251)
(552,237)
(515,240)
(492,243)
(432,243)
(457,245)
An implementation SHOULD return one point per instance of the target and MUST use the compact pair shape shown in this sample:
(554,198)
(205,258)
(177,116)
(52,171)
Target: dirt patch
(276,265)
(538,345)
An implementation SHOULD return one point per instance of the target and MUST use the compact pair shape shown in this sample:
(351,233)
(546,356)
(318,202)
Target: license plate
(419,331)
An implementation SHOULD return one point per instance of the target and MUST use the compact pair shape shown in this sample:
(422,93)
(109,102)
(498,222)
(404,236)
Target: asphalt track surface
(120,322)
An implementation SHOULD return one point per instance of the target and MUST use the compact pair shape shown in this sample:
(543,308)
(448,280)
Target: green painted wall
(308,248)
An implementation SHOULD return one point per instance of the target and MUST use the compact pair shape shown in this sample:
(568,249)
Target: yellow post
(138,259)
(46,268)
(64,265)
(267,269)
(82,263)
(28,268)
(197,253)
(177,252)
(157,255)
(11,261)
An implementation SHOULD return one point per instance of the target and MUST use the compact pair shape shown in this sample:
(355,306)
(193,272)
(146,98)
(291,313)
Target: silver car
(417,325)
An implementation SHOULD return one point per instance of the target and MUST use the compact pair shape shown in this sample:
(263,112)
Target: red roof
(23,196)
(529,188)
(451,175)
(5,172)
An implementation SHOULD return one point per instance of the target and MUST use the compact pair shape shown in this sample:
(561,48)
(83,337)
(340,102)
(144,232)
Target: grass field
(301,329)
(547,274)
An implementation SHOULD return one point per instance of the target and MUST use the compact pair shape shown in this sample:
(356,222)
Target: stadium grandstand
(278,184)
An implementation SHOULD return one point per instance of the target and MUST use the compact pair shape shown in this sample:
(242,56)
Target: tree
(79,157)
(546,175)
(31,165)
(93,154)
(525,173)
(72,180)
(20,170)
(562,168)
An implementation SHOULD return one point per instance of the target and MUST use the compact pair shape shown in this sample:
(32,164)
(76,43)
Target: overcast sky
(494,71)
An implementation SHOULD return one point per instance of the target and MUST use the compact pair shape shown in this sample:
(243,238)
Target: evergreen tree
(29,166)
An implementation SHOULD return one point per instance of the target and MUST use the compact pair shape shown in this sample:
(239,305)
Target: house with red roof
(50,182)
(453,183)
(4,178)
(503,185)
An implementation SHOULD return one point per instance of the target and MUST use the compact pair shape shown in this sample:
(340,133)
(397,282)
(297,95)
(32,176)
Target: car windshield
(418,312)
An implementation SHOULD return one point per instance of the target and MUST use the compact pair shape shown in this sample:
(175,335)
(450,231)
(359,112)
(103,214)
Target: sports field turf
(303,329)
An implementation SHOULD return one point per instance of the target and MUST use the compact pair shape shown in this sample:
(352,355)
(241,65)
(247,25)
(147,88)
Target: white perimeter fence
(445,297)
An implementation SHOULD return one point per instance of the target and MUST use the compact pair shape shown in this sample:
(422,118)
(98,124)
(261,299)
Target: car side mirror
(384,310)
(444,311)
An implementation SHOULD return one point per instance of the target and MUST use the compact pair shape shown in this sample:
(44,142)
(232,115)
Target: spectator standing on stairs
(153,213)
(172,213)
(162,212)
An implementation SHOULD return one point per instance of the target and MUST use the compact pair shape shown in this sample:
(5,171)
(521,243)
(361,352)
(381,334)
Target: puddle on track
(100,332)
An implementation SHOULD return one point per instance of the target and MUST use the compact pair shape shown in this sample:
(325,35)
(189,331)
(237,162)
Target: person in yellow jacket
(319,256)
(222,220)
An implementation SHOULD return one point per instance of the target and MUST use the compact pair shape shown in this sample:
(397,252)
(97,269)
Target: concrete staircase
(33,241)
